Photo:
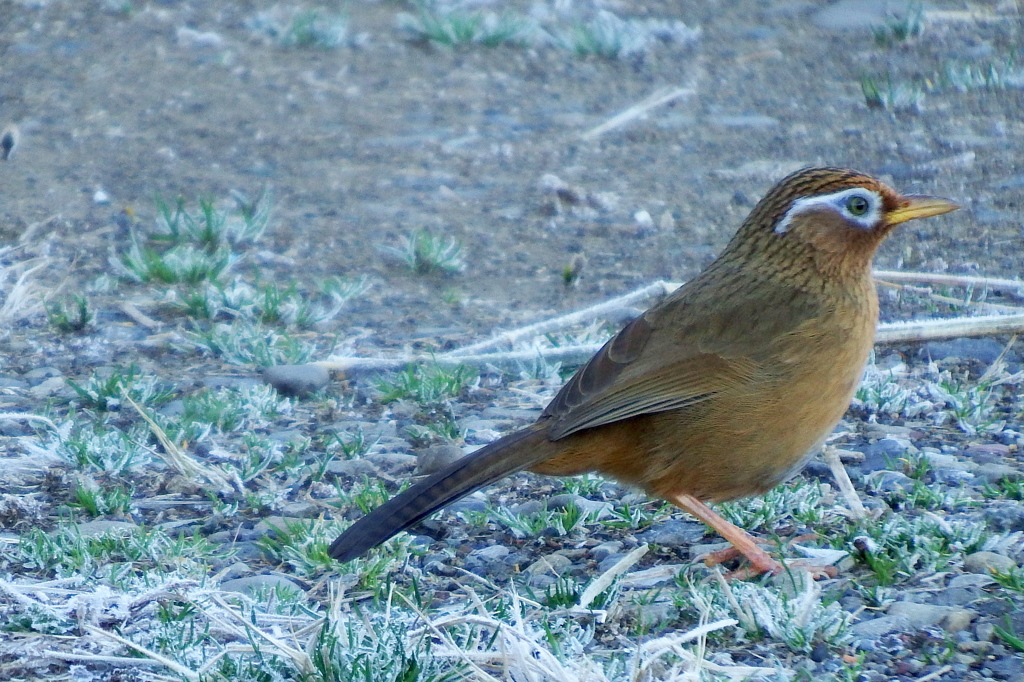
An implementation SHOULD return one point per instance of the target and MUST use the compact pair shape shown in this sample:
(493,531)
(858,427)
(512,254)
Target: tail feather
(505,456)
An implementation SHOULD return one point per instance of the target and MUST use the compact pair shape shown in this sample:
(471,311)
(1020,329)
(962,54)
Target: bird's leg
(759,559)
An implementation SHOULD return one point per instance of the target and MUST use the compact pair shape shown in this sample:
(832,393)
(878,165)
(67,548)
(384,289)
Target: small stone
(993,473)
(1005,516)
(605,549)
(256,584)
(436,458)
(986,562)
(553,564)
(666,223)
(233,571)
(192,39)
(47,388)
(920,616)
(100,198)
(883,625)
(297,380)
(393,462)
(673,533)
(306,510)
(354,468)
(983,350)
(984,631)
(492,553)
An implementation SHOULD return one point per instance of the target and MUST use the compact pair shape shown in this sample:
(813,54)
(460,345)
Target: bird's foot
(762,562)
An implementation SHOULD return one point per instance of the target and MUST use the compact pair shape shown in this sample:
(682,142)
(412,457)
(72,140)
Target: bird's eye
(857,205)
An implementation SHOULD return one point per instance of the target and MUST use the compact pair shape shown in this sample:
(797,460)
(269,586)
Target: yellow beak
(918,206)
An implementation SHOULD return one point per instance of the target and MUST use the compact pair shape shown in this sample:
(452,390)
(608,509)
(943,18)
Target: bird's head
(833,216)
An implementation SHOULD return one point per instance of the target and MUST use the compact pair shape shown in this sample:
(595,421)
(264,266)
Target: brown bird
(723,389)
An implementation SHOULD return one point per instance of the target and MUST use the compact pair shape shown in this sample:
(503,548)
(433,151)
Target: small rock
(491,553)
(1005,516)
(233,571)
(306,510)
(673,533)
(297,380)
(47,388)
(987,452)
(436,458)
(890,481)
(393,462)
(100,198)
(986,562)
(920,616)
(993,473)
(192,39)
(883,625)
(982,350)
(605,549)
(553,564)
(256,584)
(355,468)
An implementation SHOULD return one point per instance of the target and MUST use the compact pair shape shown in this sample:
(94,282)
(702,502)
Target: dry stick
(845,484)
(152,655)
(176,457)
(888,333)
(998,308)
(656,99)
(927,330)
(659,289)
(953,280)
(562,354)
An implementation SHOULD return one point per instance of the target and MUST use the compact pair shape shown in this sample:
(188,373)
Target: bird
(724,388)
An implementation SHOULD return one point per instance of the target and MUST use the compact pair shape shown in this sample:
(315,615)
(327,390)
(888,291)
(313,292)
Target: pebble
(986,562)
(982,350)
(883,625)
(673,533)
(297,380)
(47,388)
(551,564)
(605,549)
(191,39)
(1005,516)
(993,473)
(355,468)
(306,510)
(920,616)
(255,584)
(436,458)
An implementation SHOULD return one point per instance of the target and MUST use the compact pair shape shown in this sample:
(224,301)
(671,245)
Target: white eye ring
(840,203)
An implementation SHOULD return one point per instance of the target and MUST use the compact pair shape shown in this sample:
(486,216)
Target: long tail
(505,456)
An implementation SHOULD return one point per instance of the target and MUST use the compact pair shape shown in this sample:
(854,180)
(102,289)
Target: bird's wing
(677,354)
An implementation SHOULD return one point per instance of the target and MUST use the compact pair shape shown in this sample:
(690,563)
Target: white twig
(152,655)
(888,333)
(657,289)
(1013,285)
(603,581)
(927,330)
(656,99)
(843,480)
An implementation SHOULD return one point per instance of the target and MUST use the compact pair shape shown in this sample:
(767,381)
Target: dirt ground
(364,143)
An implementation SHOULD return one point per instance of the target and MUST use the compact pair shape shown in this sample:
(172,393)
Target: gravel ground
(173,468)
